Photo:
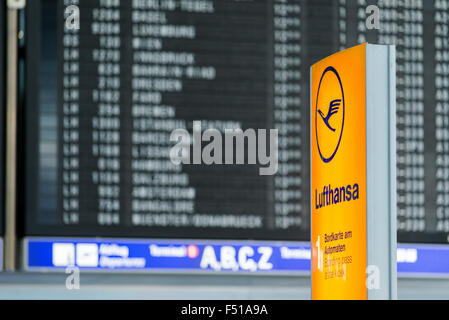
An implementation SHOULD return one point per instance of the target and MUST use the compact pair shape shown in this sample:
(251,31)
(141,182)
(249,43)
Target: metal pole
(11,133)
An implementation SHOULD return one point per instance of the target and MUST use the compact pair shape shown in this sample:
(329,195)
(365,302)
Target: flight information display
(110,94)
(103,100)
(420,31)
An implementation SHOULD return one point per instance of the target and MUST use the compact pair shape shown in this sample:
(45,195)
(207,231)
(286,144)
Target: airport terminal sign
(338,176)
(167,256)
(148,255)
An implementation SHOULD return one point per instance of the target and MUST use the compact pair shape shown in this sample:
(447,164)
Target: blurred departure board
(110,94)
(103,100)
(420,30)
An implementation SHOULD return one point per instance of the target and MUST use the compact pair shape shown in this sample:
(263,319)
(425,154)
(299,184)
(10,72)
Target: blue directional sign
(154,255)
(205,256)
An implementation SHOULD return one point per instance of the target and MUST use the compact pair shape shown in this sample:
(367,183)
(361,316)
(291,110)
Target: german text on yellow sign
(338,165)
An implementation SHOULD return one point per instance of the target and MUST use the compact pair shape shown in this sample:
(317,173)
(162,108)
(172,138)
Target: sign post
(11,133)
(353,175)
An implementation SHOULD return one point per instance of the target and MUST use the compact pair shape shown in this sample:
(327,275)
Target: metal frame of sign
(381,167)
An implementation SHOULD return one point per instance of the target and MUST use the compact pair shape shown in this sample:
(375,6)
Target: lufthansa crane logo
(329,114)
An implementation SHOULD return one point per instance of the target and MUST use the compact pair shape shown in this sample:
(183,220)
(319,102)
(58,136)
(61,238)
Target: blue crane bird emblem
(331,98)
(334,106)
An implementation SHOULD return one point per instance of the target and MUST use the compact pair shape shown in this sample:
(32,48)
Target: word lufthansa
(330,196)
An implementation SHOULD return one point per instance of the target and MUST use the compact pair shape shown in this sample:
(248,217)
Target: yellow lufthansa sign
(338,176)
